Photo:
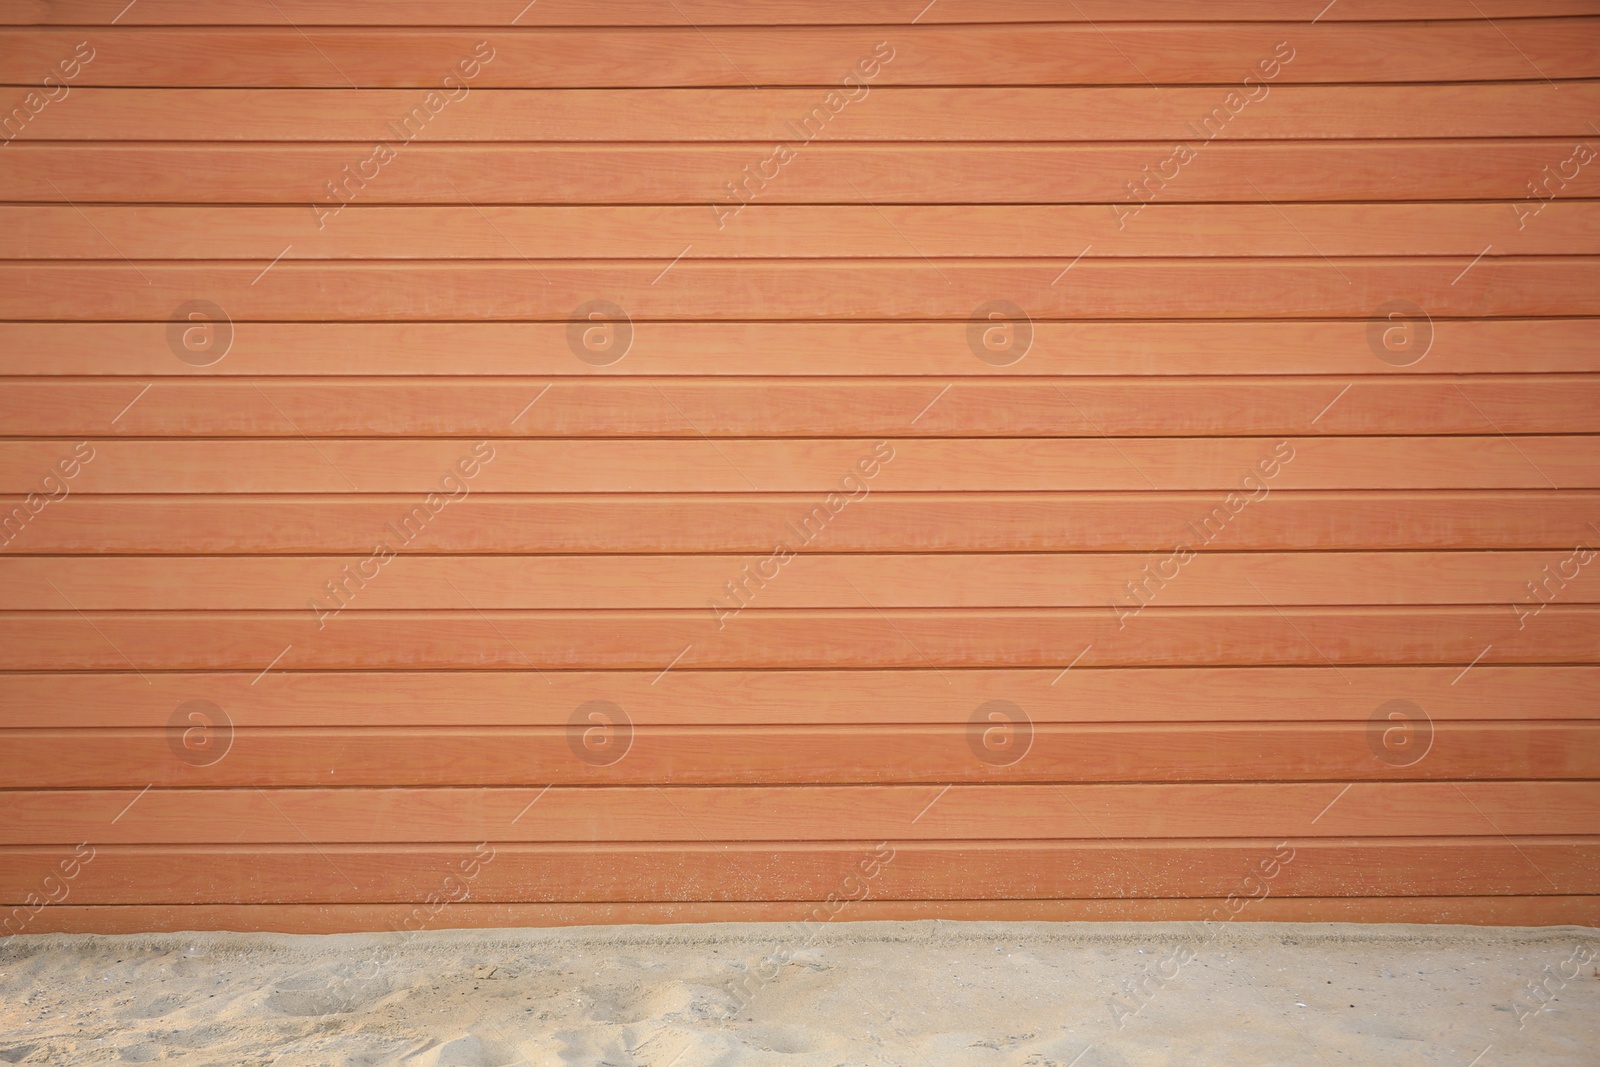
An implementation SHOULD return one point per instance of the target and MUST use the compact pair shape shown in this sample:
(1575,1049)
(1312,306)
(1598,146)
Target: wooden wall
(755,459)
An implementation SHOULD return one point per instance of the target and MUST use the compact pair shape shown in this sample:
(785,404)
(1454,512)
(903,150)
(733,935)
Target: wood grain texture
(937,351)
(839,173)
(1333,754)
(499,13)
(1140,521)
(1257,533)
(868,637)
(1086,694)
(802,407)
(1552,910)
(1037,870)
(799,813)
(796,231)
(837,472)
(694,289)
(1290,112)
(1063,54)
(142,583)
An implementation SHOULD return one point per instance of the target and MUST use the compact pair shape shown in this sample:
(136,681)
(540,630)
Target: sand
(919,994)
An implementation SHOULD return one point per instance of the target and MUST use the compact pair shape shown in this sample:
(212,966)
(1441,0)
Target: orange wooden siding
(1113,450)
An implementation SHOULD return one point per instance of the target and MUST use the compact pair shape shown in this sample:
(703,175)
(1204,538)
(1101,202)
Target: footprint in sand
(464,1051)
(154,1008)
(303,1003)
(323,994)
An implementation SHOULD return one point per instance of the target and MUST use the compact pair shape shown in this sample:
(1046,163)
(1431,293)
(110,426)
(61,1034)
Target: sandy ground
(923,993)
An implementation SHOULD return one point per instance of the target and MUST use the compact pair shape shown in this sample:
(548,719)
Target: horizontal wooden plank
(500,13)
(343,918)
(530,759)
(959,289)
(1084,694)
(840,173)
(797,231)
(1143,521)
(1297,112)
(1274,53)
(801,407)
(261,874)
(900,580)
(839,471)
(920,349)
(796,813)
(811,638)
